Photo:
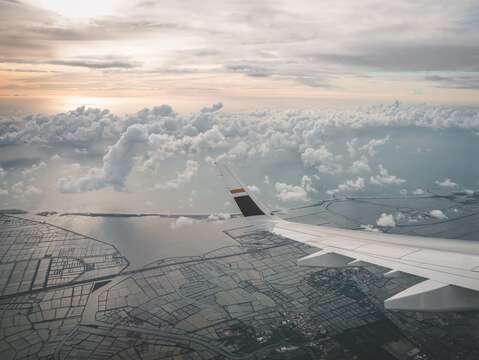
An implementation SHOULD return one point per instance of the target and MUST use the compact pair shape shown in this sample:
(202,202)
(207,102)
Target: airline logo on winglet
(236,191)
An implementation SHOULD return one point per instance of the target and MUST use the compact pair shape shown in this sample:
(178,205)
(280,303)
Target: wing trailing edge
(451,267)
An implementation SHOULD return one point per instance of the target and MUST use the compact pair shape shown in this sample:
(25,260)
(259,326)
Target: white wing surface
(450,267)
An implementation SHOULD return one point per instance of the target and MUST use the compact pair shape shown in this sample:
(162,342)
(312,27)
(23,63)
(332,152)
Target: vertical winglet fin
(248,205)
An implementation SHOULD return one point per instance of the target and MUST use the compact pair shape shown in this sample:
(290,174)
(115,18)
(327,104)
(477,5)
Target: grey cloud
(455,82)
(96,64)
(250,70)
(410,57)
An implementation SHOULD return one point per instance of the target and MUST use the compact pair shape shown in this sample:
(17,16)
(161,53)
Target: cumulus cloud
(437,214)
(219,217)
(117,164)
(350,146)
(295,193)
(34,169)
(418,192)
(286,192)
(253,189)
(323,159)
(212,134)
(369,228)
(182,221)
(307,184)
(25,191)
(386,220)
(384,178)
(446,183)
(360,166)
(182,177)
(349,186)
(371,147)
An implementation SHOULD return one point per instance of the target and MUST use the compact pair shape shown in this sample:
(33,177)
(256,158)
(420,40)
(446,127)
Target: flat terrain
(64,295)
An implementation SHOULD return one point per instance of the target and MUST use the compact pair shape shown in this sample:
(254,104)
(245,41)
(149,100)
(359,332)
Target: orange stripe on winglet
(235,191)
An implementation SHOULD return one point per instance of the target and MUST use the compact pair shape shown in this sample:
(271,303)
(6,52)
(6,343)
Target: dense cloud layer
(143,142)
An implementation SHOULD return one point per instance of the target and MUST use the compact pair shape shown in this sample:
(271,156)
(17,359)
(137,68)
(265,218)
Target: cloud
(468,82)
(34,169)
(182,221)
(369,228)
(117,164)
(437,214)
(370,147)
(384,178)
(219,217)
(361,165)
(182,178)
(446,183)
(418,192)
(350,145)
(323,159)
(386,220)
(25,191)
(253,189)
(96,64)
(211,133)
(307,184)
(411,57)
(349,186)
(291,193)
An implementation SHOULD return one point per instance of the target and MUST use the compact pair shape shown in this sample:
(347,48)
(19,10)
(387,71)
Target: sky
(124,55)
(125,105)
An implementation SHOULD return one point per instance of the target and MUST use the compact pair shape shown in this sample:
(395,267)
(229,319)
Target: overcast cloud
(336,47)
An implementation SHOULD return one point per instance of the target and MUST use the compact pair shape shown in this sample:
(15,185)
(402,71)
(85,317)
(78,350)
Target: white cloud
(349,186)
(266,179)
(219,217)
(312,157)
(350,146)
(361,165)
(386,220)
(437,214)
(23,190)
(3,173)
(287,193)
(182,221)
(403,192)
(182,178)
(3,192)
(370,147)
(56,157)
(34,169)
(384,178)
(117,164)
(307,184)
(253,189)
(369,228)
(446,183)
(418,192)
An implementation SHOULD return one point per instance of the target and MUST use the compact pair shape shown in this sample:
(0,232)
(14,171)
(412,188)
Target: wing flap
(432,295)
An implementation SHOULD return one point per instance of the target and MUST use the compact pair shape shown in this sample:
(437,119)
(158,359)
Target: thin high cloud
(325,46)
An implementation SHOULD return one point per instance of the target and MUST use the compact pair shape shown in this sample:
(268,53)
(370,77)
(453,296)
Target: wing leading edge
(450,267)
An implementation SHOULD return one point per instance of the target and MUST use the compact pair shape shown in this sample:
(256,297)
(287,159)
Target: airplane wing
(450,267)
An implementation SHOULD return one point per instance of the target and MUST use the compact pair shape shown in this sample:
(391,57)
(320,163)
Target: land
(64,295)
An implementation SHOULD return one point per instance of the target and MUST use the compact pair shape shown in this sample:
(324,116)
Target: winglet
(246,202)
